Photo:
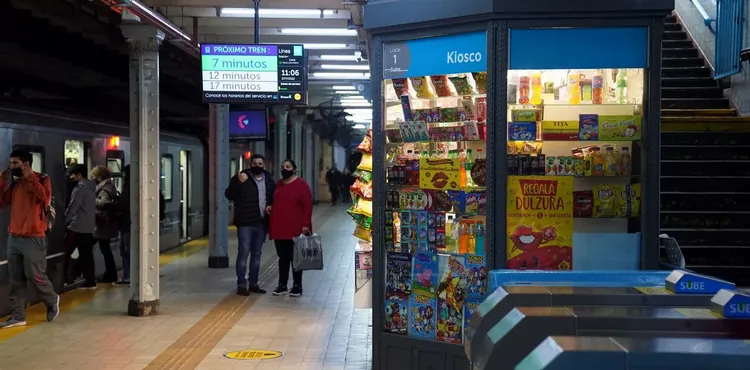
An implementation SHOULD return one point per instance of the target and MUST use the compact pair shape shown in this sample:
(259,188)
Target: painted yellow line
(69,300)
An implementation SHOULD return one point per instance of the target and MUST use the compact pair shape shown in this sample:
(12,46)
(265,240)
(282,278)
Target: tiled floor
(320,330)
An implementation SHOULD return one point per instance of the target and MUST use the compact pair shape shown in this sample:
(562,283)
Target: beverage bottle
(471,240)
(448,233)
(462,174)
(612,162)
(597,162)
(536,88)
(455,236)
(479,154)
(625,161)
(463,242)
(621,87)
(480,239)
(523,90)
(468,164)
(574,88)
(597,87)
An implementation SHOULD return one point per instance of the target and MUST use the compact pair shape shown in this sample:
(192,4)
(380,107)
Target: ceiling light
(340,57)
(355,104)
(344,92)
(359,126)
(326,46)
(352,67)
(319,31)
(342,75)
(344,87)
(353,98)
(276,13)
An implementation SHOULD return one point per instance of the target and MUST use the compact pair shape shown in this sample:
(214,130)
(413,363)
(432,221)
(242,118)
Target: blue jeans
(125,254)
(250,240)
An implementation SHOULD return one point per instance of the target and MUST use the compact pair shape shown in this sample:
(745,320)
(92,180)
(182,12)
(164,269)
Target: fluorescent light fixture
(318,31)
(341,58)
(345,92)
(343,87)
(359,126)
(276,13)
(158,18)
(343,75)
(350,99)
(326,46)
(351,67)
(355,104)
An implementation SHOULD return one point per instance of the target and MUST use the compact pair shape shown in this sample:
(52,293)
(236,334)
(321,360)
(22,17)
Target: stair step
(679,52)
(718,119)
(706,220)
(692,201)
(696,71)
(698,184)
(695,103)
(705,138)
(691,92)
(737,275)
(703,128)
(672,27)
(705,168)
(677,44)
(693,153)
(670,19)
(698,112)
(682,62)
(688,82)
(675,35)
(709,236)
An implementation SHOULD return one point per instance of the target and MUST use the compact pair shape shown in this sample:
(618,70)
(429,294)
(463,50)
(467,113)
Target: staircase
(705,164)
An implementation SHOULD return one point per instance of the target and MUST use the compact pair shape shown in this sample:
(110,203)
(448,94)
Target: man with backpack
(29,195)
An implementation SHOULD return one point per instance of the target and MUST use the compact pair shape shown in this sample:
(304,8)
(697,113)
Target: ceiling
(331,30)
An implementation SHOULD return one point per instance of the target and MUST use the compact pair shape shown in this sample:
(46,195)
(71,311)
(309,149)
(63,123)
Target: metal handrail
(706,18)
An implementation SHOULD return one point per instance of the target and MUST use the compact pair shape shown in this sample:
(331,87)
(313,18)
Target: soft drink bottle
(574,88)
(597,88)
(536,88)
(523,90)
(621,87)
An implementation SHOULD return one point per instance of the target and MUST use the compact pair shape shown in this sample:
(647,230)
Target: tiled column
(218,180)
(296,118)
(280,112)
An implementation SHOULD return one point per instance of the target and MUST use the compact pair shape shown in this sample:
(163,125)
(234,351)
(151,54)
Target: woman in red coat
(292,216)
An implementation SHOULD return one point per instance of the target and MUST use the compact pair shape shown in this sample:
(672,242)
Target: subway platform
(202,319)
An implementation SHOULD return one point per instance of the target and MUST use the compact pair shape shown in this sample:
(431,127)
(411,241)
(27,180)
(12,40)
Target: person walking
(252,191)
(29,195)
(291,216)
(106,219)
(333,179)
(80,221)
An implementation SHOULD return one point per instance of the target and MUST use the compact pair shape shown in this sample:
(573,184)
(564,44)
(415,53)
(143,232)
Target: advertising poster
(439,173)
(540,222)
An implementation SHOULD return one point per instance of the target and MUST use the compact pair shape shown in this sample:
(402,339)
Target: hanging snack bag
(423,87)
(401,85)
(366,162)
(362,234)
(442,85)
(366,145)
(362,207)
(481,80)
(362,175)
(362,189)
(464,84)
(604,201)
(583,204)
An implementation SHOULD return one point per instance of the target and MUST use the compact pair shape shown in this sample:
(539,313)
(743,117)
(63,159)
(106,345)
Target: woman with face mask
(291,216)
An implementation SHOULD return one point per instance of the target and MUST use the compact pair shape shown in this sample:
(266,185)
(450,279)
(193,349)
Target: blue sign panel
(435,56)
(691,283)
(579,48)
(731,304)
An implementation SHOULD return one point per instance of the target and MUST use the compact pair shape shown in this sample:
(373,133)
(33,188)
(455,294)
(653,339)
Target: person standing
(252,191)
(291,216)
(80,221)
(333,179)
(106,219)
(29,195)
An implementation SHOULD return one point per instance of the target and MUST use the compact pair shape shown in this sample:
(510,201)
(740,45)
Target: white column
(296,118)
(144,41)
(280,112)
(311,176)
(218,179)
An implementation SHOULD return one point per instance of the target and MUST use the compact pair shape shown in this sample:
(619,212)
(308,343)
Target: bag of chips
(361,220)
(423,87)
(366,145)
(627,200)
(362,189)
(464,84)
(401,86)
(583,204)
(604,201)
(362,175)
(481,80)
(366,162)
(362,234)
(525,147)
(362,207)
(442,85)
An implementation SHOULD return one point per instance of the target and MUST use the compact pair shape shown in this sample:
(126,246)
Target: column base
(140,309)
(218,262)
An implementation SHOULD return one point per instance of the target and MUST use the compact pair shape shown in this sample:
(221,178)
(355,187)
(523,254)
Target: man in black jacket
(251,190)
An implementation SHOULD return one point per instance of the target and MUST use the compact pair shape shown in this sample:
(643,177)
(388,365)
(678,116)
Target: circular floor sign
(253,354)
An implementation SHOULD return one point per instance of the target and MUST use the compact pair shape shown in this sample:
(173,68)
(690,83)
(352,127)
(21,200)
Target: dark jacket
(79,216)
(106,215)
(245,198)
(124,207)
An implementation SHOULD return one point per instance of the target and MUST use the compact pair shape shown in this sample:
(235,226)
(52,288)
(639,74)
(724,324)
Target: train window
(166,176)
(233,168)
(37,156)
(73,152)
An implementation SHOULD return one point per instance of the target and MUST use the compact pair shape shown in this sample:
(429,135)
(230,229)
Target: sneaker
(243,291)
(53,311)
(280,290)
(12,323)
(121,283)
(257,289)
(88,286)
(296,291)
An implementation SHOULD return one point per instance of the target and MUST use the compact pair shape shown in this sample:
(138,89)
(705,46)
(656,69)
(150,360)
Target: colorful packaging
(583,204)
(423,87)
(449,323)
(401,86)
(425,277)
(423,317)
(619,128)
(363,175)
(406,107)
(482,204)
(476,268)
(588,126)
(628,200)
(472,203)
(522,131)
(480,78)
(464,84)
(550,166)
(454,282)
(448,115)
(525,147)
(362,234)
(366,162)
(604,201)
(396,312)
(366,145)
(526,115)
(458,199)
(471,306)
(442,85)
(398,272)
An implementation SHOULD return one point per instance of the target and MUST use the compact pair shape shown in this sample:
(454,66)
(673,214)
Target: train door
(185,195)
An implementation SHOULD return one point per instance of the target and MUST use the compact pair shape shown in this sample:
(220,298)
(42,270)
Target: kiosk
(505,135)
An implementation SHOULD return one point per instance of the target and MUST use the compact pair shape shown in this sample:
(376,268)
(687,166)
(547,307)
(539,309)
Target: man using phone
(28,194)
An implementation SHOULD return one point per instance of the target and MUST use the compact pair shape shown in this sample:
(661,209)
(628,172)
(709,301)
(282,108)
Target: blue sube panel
(449,54)
(729,26)
(610,278)
(579,48)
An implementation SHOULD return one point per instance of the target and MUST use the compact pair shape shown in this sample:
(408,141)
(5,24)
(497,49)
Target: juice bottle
(611,162)
(597,87)
(536,88)
(574,88)
(448,232)
(471,240)
(621,87)
(479,235)
(455,236)
(626,161)
(463,240)
(597,161)
(462,174)
(523,90)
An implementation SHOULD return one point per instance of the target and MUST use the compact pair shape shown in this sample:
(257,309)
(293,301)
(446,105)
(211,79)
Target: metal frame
(396,352)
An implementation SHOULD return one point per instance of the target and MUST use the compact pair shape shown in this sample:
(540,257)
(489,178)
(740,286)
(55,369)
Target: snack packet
(627,200)
(442,85)
(366,145)
(362,189)
(464,84)
(362,175)
(525,147)
(362,207)
(362,234)
(401,85)
(366,163)
(583,204)
(423,87)
(481,80)
(604,201)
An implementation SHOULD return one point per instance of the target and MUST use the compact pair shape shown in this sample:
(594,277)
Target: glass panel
(574,168)
(37,162)
(233,167)
(114,165)
(166,177)
(73,152)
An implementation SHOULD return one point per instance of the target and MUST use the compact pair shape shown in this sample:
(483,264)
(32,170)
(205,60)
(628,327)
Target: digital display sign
(248,125)
(254,74)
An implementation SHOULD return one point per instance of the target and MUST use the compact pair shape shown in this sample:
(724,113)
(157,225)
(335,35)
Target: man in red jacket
(29,194)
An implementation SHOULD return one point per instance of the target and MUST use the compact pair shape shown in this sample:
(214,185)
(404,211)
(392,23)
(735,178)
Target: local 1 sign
(442,55)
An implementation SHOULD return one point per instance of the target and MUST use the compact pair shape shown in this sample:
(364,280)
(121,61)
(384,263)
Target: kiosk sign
(435,56)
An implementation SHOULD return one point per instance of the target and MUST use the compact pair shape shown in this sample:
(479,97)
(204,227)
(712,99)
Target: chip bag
(363,175)
(604,201)
(423,87)
(583,204)
(362,234)
(464,84)
(525,147)
(442,85)
(366,162)
(362,189)
(366,145)
(401,86)
(627,200)
(481,80)
(362,207)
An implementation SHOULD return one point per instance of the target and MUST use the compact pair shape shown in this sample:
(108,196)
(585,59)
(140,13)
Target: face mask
(17,172)
(256,170)
(286,173)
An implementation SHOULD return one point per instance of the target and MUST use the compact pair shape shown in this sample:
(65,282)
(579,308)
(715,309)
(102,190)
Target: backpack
(49,212)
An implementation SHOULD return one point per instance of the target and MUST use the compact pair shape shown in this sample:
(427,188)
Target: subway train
(183,179)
